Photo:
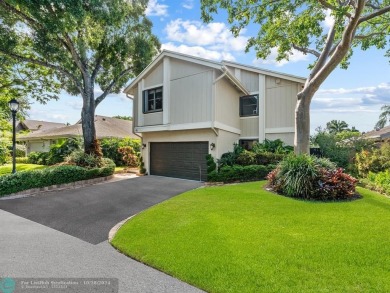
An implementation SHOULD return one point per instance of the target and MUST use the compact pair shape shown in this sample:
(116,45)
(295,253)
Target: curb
(115,229)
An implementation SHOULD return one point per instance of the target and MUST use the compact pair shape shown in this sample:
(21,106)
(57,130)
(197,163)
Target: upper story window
(249,105)
(153,100)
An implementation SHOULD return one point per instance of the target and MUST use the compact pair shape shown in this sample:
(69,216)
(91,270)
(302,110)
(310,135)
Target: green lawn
(7,168)
(241,238)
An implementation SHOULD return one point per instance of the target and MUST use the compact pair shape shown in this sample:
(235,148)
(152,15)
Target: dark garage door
(185,160)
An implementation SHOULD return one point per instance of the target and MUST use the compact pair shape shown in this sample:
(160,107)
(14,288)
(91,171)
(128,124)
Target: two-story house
(186,107)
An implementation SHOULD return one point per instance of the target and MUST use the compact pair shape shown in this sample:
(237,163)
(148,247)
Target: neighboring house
(40,141)
(35,125)
(187,107)
(378,135)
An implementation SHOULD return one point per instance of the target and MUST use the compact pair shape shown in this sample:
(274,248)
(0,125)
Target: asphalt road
(90,212)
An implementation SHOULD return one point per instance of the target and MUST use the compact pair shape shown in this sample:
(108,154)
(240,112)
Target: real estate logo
(7,285)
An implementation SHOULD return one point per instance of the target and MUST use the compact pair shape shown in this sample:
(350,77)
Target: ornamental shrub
(378,181)
(375,160)
(59,151)
(4,151)
(22,160)
(211,165)
(246,158)
(129,157)
(309,177)
(110,147)
(20,181)
(239,173)
(81,159)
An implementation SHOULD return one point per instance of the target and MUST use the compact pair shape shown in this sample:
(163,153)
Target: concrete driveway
(64,234)
(90,212)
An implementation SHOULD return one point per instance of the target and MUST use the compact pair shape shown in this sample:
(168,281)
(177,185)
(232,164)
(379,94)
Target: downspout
(131,98)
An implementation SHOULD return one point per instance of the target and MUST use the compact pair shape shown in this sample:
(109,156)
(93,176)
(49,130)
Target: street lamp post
(14,106)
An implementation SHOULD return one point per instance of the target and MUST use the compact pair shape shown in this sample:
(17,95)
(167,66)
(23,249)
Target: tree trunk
(88,120)
(302,123)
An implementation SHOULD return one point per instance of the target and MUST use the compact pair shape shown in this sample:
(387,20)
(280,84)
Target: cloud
(76,105)
(294,56)
(329,20)
(156,9)
(51,115)
(215,35)
(363,96)
(188,4)
(199,51)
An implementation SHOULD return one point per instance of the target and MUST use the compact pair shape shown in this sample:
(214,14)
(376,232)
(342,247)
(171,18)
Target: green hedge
(240,173)
(52,176)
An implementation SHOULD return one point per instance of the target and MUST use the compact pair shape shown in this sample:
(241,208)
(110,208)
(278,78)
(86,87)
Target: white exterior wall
(227,101)
(249,127)
(225,142)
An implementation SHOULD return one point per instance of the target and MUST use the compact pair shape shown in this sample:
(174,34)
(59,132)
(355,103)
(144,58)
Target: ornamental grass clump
(309,177)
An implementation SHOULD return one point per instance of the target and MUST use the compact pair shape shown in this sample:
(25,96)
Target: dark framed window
(247,144)
(249,105)
(153,100)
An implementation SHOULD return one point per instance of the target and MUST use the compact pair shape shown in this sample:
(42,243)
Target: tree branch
(327,5)
(374,14)
(325,52)
(307,50)
(45,64)
(99,99)
(24,16)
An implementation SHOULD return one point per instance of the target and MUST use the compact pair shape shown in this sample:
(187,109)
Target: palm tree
(336,126)
(384,117)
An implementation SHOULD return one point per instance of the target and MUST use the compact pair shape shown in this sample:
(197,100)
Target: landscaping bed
(242,238)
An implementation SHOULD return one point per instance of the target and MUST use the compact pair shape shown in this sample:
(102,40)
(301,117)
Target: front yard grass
(241,238)
(7,168)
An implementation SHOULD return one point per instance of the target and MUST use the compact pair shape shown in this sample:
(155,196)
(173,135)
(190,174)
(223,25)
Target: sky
(354,95)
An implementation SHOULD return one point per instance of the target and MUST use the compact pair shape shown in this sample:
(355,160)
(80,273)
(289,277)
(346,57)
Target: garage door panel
(185,160)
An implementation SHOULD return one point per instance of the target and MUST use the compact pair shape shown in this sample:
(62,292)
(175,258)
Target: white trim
(235,81)
(265,71)
(166,90)
(262,105)
(249,117)
(153,86)
(169,127)
(248,137)
(226,127)
(279,130)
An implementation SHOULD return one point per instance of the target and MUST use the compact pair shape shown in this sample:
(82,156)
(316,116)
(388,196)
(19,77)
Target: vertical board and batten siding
(153,118)
(287,138)
(155,77)
(250,80)
(280,103)
(227,104)
(191,92)
(249,127)
(225,142)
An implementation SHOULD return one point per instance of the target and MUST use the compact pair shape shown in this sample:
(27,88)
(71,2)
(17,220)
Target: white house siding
(177,136)
(281,98)
(153,118)
(249,127)
(135,107)
(227,104)
(225,142)
(250,80)
(190,93)
(155,77)
(287,138)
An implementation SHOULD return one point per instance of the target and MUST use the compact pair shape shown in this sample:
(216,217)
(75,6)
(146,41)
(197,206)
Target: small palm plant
(384,117)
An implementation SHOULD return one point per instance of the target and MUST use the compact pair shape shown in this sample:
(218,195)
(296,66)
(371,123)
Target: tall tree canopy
(85,43)
(298,25)
(384,117)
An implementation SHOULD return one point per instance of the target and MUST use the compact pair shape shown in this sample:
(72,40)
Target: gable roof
(213,64)
(380,134)
(34,125)
(105,127)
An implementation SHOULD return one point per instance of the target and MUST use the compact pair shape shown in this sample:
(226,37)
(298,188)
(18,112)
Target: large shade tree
(85,43)
(336,126)
(298,25)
